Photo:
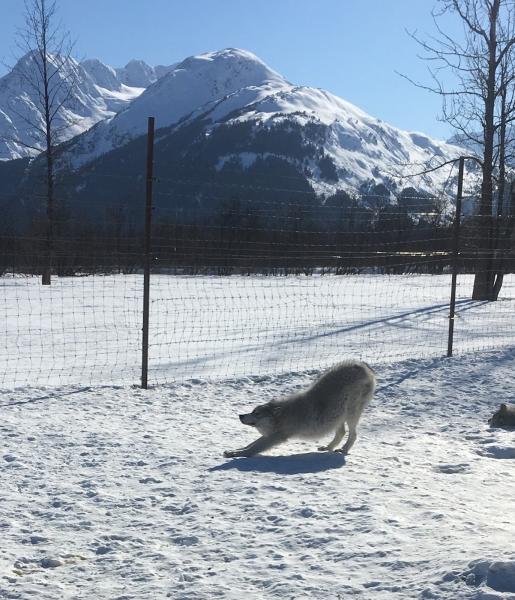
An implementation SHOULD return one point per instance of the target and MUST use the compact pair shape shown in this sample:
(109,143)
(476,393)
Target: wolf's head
(263,418)
(503,418)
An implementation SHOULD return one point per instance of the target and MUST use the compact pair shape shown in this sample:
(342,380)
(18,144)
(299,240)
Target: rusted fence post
(456,256)
(147,252)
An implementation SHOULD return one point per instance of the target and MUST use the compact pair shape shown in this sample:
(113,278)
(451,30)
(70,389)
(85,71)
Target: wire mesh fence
(243,285)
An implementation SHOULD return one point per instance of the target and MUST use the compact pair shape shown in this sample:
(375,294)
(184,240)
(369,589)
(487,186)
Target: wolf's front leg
(262,444)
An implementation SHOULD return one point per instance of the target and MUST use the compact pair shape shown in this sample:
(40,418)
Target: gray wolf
(335,400)
(504,417)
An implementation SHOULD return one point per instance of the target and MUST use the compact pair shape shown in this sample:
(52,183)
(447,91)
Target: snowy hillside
(100,93)
(137,73)
(235,77)
(343,147)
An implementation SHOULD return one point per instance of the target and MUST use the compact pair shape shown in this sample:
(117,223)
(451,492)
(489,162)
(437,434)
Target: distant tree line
(296,234)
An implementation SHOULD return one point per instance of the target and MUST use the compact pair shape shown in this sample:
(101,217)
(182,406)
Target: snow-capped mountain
(102,75)
(100,92)
(190,88)
(230,129)
(333,143)
(137,73)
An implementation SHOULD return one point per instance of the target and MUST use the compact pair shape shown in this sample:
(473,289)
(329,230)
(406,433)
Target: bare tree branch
(47,71)
(480,102)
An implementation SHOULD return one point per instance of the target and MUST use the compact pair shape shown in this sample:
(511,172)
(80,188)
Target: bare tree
(479,103)
(49,74)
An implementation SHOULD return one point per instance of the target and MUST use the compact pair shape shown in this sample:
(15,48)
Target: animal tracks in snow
(109,498)
(496,451)
(452,469)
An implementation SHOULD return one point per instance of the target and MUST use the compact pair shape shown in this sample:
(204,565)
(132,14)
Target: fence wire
(256,287)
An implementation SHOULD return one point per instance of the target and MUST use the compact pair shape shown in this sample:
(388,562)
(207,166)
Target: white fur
(335,400)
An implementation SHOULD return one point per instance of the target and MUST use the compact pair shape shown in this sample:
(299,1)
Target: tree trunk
(47,270)
(484,279)
(505,242)
(500,245)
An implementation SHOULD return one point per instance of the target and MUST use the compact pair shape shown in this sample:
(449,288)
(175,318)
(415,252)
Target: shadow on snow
(294,464)
(405,319)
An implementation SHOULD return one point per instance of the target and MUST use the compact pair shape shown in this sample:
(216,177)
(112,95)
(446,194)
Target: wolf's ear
(503,408)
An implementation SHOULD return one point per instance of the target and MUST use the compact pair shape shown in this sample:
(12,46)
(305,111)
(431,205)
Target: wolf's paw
(230,454)
(324,449)
(342,450)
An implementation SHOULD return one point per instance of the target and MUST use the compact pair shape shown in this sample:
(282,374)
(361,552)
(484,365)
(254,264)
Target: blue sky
(352,48)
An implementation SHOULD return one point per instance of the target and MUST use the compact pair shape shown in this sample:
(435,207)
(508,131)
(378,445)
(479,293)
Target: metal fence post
(147,252)
(456,253)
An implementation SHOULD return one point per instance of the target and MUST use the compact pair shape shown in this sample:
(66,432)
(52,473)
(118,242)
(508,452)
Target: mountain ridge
(229,127)
(233,86)
(100,92)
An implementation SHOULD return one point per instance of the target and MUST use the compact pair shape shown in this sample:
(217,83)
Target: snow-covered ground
(121,493)
(87,330)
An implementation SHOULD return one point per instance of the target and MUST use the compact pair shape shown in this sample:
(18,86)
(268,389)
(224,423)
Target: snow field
(117,492)
(87,330)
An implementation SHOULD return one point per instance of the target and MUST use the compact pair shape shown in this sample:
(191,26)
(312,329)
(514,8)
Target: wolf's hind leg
(262,444)
(338,437)
(352,421)
(352,436)
(350,441)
